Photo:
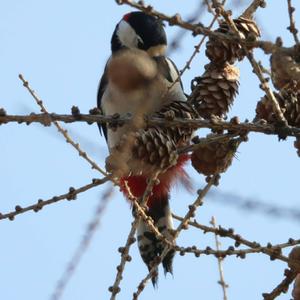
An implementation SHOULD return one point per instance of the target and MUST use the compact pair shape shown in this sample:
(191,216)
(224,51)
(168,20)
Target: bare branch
(221,254)
(214,123)
(292,28)
(175,42)
(270,250)
(47,118)
(251,9)
(63,131)
(175,20)
(222,282)
(205,141)
(282,286)
(71,195)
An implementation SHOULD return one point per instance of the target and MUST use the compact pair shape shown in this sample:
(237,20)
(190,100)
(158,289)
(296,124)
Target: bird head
(138,30)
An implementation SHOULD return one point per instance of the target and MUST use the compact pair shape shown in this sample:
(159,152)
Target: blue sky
(61,48)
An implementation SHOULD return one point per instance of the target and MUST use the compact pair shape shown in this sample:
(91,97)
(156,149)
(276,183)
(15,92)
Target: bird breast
(137,103)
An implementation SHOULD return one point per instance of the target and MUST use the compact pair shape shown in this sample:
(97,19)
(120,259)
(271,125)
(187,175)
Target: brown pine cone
(289,102)
(155,147)
(285,67)
(215,157)
(147,150)
(178,109)
(220,51)
(213,93)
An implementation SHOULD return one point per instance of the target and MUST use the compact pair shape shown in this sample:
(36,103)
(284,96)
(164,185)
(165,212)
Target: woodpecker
(139,79)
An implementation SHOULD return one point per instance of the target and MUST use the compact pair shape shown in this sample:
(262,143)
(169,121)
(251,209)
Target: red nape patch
(137,184)
(126,17)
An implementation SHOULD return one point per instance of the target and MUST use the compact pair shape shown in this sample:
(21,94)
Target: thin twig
(83,245)
(218,124)
(209,8)
(251,9)
(205,141)
(71,195)
(174,44)
(265,87)
(63,131)
(193,207)
(292,28)
(239,253)
(47,118)
(175,20)
(264,70)
(125,257)
(222,282)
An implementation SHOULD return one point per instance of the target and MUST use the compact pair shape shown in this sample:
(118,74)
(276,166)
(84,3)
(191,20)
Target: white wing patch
(176,91)
(173,72)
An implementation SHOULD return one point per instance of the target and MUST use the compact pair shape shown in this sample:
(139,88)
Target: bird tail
(149,246)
